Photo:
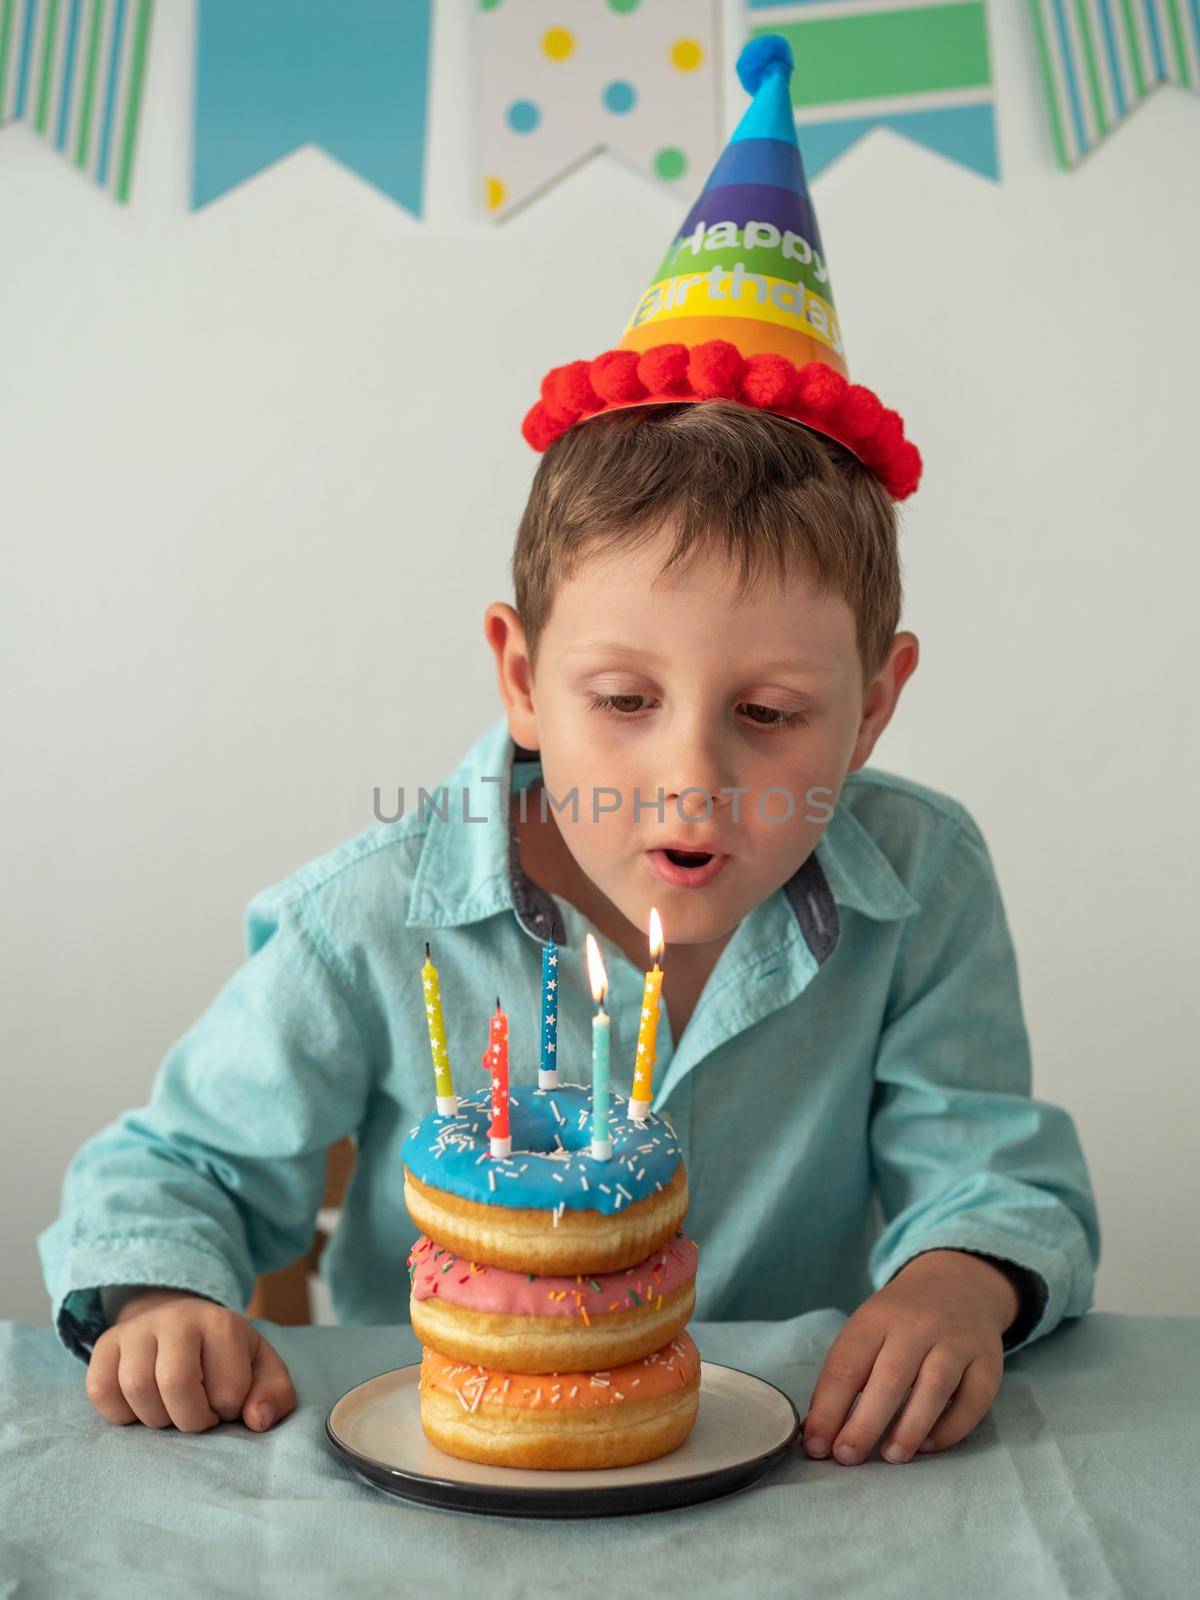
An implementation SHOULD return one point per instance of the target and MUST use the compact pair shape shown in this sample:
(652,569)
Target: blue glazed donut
(551,1167)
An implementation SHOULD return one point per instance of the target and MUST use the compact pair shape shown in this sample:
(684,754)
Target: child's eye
(626,705)
(774,717)
(617,704)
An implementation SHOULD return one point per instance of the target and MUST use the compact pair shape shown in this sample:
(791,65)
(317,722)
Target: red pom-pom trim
(664,370)
(553,410)
(614,376)
(538,429)
(814,393)
(903,472)
(771,382)
(715,370)
(885,439)
(858,413)
(821,387)
(574,390)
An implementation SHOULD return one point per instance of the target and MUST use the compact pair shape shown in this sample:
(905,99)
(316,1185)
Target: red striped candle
(495,1064)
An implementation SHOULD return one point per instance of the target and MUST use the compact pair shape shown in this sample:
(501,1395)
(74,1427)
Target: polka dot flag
(562,80)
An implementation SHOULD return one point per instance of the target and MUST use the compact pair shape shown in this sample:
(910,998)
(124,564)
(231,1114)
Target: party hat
(741,307)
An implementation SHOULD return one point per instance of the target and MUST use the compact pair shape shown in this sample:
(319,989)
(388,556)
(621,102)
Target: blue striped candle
(548,1061)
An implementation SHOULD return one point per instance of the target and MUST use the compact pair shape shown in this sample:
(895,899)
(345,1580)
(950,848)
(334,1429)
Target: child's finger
(135,1374)
(936,1381)
(180,1380)
(844,1371)
(271,1394)
(891,1377)
(225,1358)
(970,1403)
(103,1390)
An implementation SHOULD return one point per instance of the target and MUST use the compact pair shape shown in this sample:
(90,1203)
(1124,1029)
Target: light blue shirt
(853,1088)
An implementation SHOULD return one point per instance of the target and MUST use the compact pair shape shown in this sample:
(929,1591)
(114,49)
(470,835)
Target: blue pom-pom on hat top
(759,56)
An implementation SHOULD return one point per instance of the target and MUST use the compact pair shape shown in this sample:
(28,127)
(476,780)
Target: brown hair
(769,492)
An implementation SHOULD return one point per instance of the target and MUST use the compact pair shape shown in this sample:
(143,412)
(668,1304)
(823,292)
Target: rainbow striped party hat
(741,306)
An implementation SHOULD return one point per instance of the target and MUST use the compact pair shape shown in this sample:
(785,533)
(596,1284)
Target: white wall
(251,521)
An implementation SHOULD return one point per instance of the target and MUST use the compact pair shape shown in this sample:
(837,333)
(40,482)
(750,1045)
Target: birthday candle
(548,1064)
(601,1142)
(495,1064)
(447,1100)
(643,1066)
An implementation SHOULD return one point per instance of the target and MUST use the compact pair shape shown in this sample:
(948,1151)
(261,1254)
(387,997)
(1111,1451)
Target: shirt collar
(469,866)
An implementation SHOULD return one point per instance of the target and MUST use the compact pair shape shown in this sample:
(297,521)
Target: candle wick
(427,949)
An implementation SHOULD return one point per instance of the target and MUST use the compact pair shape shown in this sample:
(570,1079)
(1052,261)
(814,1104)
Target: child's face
(680,684)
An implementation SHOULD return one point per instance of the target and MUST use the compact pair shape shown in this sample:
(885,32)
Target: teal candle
(601,1141)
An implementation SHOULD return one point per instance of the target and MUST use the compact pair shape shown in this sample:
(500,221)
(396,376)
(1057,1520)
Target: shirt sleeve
(220,1177)
(964,1157)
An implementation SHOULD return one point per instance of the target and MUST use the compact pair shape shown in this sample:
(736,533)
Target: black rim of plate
(614,1500)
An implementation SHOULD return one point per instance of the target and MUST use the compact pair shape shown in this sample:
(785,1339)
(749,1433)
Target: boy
(703,653)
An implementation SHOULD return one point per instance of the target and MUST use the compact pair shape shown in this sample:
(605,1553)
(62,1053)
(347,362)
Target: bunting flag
(74,70)
(349,75)
(1101,58)
(637,79)
(919,67)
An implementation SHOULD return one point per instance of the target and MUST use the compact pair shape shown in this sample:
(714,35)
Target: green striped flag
(74,70)
(919,67)
(1101,58)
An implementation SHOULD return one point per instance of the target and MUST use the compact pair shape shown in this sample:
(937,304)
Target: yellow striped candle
(602,1147)
(643,1066)
(447,1100)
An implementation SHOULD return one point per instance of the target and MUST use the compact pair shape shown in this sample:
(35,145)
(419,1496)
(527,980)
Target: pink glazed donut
(521,1322)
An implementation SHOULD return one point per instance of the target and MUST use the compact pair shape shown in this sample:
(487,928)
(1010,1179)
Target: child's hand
(173,1357)
(936,1327)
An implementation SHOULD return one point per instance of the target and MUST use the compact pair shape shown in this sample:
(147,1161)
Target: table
(1083,1480)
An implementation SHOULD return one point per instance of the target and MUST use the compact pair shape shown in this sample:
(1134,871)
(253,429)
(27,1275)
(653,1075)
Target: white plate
(744,1426)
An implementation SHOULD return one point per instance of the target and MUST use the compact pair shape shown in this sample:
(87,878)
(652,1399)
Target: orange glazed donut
(519,1322)
(611,1418)
(550,1208)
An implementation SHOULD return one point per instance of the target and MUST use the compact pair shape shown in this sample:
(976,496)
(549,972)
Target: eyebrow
(634,653)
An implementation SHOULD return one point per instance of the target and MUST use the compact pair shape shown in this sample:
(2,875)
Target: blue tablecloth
(1083,1480)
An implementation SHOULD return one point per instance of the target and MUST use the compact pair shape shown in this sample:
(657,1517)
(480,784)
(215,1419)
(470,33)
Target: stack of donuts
(551,1290)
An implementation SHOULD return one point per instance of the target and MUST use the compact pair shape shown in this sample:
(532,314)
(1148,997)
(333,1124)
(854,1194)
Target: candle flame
(656,934)
(597,976)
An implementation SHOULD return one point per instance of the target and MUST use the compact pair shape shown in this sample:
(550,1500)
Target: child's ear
(883,694)
(505,633)
(902,662)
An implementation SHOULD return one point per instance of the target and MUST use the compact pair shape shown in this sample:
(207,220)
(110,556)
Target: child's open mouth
(690,869)
(688,858)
